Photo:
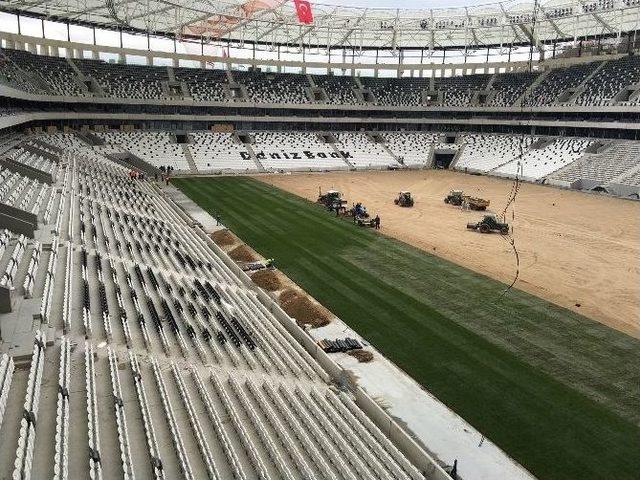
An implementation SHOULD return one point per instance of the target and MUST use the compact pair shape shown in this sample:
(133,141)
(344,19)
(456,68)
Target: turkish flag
(303,9)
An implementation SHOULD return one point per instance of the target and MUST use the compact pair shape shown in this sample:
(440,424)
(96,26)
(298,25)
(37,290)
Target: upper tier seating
(458,90)
(204,85)
(14,76)
(510,86)
(404,92)
(610,80)
(274,87)
(126,81)
(557,81)
(55,76)
(339,89)
(54,71)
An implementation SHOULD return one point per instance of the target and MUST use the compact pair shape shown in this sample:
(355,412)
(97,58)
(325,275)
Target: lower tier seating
(162,362)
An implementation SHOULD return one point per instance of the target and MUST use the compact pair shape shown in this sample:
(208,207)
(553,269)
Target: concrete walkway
(191,208)
(442,432)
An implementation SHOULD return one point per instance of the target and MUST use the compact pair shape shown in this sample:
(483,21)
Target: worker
(377,221)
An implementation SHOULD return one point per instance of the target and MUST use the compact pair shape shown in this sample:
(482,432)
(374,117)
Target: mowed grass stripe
(442,324)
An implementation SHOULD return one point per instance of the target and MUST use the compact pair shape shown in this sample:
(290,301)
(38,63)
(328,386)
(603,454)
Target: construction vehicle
(474,203)
(358,210)
(454,198)
(333,201)
(489,224)
(404,199)
(364,222)
(459,199)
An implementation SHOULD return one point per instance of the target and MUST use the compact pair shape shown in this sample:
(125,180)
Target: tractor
(364,222)
(358,210)
(474,203)
(333,201)
(458,198)
(489,224)
(404,199)
(454,198)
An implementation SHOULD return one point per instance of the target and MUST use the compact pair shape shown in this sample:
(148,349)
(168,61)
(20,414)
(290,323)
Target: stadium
(288,239)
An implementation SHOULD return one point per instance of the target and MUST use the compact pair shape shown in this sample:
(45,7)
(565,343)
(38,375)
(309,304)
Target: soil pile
(300,307)
(267,279)
(223,238)
(362,356)
(243,253)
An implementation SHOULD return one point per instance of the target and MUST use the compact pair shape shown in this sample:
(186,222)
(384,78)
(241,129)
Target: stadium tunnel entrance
(442,160)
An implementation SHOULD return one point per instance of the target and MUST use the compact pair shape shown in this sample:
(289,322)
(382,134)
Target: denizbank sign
(304,155)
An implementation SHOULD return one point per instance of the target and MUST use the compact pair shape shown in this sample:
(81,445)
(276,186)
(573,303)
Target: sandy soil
(575,248)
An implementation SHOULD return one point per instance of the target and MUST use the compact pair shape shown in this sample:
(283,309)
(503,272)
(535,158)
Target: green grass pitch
(557,391)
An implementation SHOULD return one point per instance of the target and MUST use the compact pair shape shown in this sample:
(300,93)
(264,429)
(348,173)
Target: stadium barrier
(400,438)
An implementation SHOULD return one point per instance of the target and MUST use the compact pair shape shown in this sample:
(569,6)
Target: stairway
(337,150)
(491,80)
(75,68)
(259,165)
(593,74)
(171,74)
(310,80)
(89,138)
(393,155)
(388,150)
(189,157)
(539,79)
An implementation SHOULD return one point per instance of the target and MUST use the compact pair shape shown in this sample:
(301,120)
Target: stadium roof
(275,22)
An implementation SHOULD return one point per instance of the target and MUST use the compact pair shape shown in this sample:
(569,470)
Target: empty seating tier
(169,365)
(38,74)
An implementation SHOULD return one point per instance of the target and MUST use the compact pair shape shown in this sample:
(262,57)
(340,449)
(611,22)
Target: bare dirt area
(576,250)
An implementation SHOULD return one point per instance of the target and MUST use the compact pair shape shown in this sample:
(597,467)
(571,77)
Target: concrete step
(539,79)
(259,165)
(189,157)
(337,150)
